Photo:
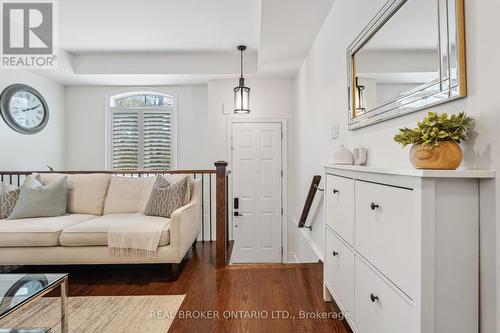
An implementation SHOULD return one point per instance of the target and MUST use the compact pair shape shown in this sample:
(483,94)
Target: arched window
(141,131)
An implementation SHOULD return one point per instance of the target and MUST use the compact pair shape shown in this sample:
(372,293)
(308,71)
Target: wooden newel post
(221,219)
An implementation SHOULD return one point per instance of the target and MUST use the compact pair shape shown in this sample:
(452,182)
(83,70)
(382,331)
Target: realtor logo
(28,34)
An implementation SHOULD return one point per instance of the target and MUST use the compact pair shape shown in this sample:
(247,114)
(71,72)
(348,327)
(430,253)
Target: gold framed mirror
(411,56)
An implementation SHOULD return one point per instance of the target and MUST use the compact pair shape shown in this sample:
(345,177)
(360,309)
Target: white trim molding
(284,182)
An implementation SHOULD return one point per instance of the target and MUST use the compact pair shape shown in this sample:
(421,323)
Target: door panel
(257,165)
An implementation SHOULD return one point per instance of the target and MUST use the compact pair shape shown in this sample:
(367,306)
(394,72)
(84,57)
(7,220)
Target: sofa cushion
(42,231)
(38,200)
(86,192)
(95,232)
(128,195)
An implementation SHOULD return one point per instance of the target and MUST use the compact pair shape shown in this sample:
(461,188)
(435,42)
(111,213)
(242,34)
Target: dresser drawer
(379,307)
(339,271)
(387,233)
(339,196)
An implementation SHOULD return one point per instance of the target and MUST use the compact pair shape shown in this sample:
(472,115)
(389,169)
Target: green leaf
(435,128)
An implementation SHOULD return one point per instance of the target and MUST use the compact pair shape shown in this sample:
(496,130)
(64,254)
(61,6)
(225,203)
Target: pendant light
(241,93)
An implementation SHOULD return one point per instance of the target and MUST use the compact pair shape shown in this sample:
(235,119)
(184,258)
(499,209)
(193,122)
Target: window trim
(110,108)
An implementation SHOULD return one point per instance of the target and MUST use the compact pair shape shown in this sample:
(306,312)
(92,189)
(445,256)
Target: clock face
(24,109)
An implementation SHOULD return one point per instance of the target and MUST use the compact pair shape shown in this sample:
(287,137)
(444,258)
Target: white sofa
(80,237)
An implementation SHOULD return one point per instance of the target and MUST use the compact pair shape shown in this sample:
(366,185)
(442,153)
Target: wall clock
(27,285)
(24,109)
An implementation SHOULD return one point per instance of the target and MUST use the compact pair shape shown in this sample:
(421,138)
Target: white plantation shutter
(141,138)
(125,141)
(157,140)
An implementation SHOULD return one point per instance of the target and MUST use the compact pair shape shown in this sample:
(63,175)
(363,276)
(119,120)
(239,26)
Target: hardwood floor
(279,291)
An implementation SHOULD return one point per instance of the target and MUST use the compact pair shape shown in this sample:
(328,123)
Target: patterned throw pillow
(166,197)
(8,199)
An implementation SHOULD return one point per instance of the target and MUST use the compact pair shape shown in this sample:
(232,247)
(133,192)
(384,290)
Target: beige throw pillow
(166,197)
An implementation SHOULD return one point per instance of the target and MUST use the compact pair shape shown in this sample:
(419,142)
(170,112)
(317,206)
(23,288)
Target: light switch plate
(225,110)
(334,131)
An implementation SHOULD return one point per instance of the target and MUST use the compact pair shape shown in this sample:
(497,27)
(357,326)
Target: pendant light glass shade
(242,98)
(241,93)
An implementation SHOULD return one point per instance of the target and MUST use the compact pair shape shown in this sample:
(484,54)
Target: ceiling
(166,42)
(157,25)
(288,29)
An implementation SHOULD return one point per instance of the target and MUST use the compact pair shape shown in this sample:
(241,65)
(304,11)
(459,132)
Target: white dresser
(402,248)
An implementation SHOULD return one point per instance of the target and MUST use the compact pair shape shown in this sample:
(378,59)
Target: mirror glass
(409,57)
(402,56)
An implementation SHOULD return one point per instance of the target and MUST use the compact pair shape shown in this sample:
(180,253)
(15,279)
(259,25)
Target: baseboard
(292,258)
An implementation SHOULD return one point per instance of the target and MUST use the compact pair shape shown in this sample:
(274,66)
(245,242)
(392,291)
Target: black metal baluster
(210,189)
(202,209)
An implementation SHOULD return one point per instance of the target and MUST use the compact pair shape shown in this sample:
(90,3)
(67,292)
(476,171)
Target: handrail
(114,172)
(309,200)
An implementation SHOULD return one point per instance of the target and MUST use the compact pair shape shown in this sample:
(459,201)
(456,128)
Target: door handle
(237,214)
(373,298)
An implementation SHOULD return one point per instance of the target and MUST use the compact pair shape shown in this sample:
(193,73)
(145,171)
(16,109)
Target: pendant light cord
(241,63)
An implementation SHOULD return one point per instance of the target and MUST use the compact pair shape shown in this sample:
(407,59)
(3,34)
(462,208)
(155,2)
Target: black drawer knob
(335,253)
(373,298)
(373,206)
(335,191)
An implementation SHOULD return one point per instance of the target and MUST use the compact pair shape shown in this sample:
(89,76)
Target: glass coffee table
(19,290)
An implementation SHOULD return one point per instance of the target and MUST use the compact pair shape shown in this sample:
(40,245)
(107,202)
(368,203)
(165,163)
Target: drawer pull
(335,191)
(373,298)
(373,206)
(335,253)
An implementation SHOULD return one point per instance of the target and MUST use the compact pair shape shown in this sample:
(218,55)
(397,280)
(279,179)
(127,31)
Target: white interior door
(257,175)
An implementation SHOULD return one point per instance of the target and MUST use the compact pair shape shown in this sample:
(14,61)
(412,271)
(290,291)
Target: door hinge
(281,211)
(281,173)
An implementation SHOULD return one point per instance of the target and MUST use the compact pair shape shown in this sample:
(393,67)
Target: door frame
(284,182)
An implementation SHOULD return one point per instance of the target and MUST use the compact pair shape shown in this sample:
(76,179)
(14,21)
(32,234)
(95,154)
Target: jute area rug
(103,314)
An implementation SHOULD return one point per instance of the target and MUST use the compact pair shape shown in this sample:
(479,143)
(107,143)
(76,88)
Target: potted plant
(436,140)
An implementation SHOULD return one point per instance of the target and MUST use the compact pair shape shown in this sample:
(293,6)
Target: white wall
(87,107)
(269,98)
(320,91)
(30,152)
(201,125)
